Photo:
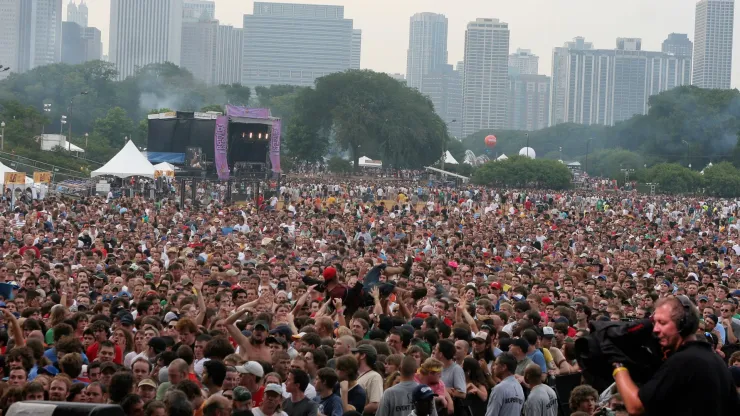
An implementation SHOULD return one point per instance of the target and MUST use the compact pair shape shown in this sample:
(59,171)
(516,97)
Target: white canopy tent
(366,162)
(502,157)
(449,160)
(164,166)
(3,169)
(128,162)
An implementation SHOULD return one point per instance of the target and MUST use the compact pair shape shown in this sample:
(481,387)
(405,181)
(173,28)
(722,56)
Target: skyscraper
(77,14)
(678,44)
(143,32)
(714,23)
(444,87)
(524,62)
(294,44)
(198,50)
(40,33)
(93,45)
(427,47)
(529,101)
(10,11)
(606,86)
(228,64)
(73,46)
(486,78)
(356,49)
(195,10)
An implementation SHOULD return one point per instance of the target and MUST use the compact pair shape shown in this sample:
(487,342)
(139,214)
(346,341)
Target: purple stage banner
(275,146)
(235,111)
(221,147)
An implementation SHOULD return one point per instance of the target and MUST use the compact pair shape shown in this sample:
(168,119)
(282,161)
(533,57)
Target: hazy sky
(538,25)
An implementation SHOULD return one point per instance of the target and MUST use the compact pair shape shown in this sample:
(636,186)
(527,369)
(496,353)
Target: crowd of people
(366,297)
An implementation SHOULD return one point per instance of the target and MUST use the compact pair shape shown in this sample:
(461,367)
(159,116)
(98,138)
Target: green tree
(609,163)
(520,171)
(236,94)
(673,178)
(339,165)
(213,107)
(115,127)
(370,114)
(722,180)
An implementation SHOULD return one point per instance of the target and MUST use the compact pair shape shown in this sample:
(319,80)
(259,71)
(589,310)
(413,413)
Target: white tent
(128,162)
(449,159)
(4,169)
(365,161)
(164,166)
(502,157)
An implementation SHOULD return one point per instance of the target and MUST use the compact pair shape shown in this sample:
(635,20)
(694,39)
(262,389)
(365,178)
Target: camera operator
(692,380)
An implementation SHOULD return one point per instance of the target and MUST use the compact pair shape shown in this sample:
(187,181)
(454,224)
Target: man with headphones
(692,380)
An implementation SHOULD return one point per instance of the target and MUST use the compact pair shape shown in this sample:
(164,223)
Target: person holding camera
(692,380)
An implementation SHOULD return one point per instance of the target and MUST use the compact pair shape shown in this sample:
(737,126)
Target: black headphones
(689,322)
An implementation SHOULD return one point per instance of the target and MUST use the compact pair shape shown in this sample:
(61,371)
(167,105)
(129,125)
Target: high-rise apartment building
(444,88)
(356,53)
(294,44)
(524,62)
(198,49)
(196,10)
(77,14)
(529,101)
(10,12)
(713,30)
(229,46)
(427,47)
(486,76)
(144,32)
(605,86)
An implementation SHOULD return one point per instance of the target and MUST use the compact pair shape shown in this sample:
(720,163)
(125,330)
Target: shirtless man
(253,347)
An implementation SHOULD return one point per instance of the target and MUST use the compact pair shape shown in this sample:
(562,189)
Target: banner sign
(275,146)
(15,178)
(42,177)
(235,111)
(221,147)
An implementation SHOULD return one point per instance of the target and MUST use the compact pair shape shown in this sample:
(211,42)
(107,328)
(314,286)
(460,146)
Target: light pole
(2,136)
(561,154)
(63,121)
(86,136)
(526,135)
(687,152)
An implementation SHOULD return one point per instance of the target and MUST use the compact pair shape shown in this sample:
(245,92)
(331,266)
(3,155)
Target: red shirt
(258,396)
(92,353)
(34,248)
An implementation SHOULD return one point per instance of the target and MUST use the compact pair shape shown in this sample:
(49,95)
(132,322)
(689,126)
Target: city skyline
(385,35)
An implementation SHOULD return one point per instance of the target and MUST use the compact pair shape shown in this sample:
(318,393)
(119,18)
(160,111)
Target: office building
(228,63)
(198,53)
(486,76)
(77,14)
(196,10)
(444,88)
(398,77)
(356,53)
(144,32)
(10,11)
(524,62)
(73,46)
(39,34)
(678,44)
(606,86)
(529,101)
(427,47)
(713,31)
(294,44)
(93,44)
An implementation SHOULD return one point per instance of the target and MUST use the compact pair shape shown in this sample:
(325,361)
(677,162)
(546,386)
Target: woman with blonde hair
(57,316)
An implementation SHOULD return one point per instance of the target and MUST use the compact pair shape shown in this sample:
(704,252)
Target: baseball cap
(127,318)
(702,298)
(49,369)
(422,392)
(366,349)
(147,382)
(170,316)
(496,285)
(158,343)
(251,367)
(186,281)
(241,394)
(109,367)
(263,324)
(329,273)
(274,388)
(548,332)
(283,330)
(481,336)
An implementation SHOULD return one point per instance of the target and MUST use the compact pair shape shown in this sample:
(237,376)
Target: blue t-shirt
(538,358)
(330,406)
(357,397)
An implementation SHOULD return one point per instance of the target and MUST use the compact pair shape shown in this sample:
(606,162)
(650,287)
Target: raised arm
(15,328)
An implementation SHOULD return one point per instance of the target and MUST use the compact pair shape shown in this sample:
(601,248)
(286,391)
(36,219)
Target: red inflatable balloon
(491,141)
